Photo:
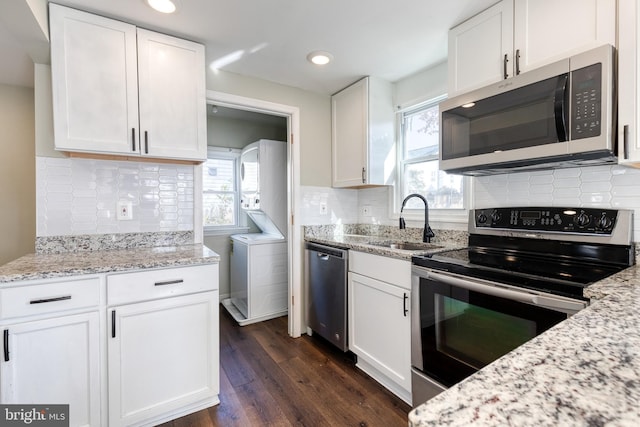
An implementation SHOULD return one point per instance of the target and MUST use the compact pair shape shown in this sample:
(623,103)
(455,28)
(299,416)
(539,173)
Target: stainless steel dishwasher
(326,281)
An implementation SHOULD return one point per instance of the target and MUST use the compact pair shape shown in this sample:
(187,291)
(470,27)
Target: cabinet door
(548,30)
(350,118)
(163,356)
(628,74)
(55,361)
(380,330)
(172,97)
(94,82)
(477,49)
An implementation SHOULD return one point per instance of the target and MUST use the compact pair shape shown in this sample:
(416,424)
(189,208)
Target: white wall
(17,172)
(315,119)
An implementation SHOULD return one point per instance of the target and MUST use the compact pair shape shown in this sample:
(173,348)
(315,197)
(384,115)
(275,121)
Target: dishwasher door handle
(322,256)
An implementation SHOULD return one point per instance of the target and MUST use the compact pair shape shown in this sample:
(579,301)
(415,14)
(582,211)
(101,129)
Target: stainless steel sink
(406,246)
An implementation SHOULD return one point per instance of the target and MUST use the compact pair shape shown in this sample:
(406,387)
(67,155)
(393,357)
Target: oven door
(460,324)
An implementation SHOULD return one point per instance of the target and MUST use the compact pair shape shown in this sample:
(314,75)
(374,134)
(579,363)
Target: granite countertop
(584,371)
(367,244)
(45,266)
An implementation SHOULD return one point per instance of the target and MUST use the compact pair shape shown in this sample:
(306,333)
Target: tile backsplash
(615,187)
(77,196)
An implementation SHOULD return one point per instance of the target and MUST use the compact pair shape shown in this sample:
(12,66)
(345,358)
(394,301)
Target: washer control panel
(568,220)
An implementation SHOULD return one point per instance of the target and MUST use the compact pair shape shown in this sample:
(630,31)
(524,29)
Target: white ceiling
(270,39)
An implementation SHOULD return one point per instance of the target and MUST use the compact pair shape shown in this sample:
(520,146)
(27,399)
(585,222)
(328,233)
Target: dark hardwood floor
(270,379)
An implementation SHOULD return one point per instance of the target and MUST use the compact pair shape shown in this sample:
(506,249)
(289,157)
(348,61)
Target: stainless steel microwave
(560,115)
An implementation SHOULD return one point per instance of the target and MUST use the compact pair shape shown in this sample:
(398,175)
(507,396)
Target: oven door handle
(562,304)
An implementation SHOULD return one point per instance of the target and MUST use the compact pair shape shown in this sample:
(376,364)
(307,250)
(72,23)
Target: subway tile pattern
(615,187)
(342,205)
(79,196)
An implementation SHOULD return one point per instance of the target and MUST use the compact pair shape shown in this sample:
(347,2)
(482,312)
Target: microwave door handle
(538,300)
(560,107)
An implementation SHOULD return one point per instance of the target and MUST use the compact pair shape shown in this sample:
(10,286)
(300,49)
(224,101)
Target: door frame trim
(295,241)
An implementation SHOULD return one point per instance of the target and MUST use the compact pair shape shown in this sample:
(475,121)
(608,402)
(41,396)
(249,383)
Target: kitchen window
(220,198)
(418,170)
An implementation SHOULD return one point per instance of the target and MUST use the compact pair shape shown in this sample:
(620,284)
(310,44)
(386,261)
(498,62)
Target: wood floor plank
(270,379)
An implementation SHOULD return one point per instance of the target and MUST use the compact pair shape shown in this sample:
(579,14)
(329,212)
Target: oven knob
(495,216)
(604,222)
(582,219)
(482,218)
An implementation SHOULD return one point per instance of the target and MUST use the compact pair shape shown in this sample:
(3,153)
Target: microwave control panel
(563,220)
(586,102)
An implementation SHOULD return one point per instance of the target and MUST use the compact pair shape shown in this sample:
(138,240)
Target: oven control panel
(563,220)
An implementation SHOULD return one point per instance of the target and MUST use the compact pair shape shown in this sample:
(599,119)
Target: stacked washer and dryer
(259,261)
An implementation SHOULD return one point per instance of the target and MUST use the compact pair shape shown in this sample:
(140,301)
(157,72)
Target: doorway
(268,112)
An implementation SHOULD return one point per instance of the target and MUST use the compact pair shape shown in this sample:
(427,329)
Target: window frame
(225,154)
(397,195)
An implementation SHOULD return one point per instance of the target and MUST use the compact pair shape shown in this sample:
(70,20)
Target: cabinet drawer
(146,285)
(390,270)
(49,297)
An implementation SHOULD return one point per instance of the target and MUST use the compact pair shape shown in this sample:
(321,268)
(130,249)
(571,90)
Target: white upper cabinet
(548,30)
(172,96)
(95,82)
(362,134)
(515,36)
(478,49)
(628,79)
(118,89)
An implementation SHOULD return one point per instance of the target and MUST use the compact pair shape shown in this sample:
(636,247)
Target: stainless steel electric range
(524,271)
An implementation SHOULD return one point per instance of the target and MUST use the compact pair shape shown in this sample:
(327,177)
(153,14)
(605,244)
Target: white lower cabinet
(133,348)
(51,346)
(379,320)
(162,357)
(163,344)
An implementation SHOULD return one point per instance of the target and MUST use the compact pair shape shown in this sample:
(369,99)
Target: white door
(548,30)
(481,49)
(163,355)
(94,82)
(172,97)
(55,361)
(380,327)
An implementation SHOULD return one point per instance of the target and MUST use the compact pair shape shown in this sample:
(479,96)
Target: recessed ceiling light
(319,57)
(164,6)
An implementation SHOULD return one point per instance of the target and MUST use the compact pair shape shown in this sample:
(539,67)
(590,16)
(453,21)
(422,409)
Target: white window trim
(217,230)
(444,218)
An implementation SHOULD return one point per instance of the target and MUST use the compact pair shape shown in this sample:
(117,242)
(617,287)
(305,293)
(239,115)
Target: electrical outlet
(124,210)
(323,208)
(366,210)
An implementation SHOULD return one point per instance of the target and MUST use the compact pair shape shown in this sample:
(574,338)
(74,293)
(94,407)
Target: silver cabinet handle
(504,66)
(146,142)
(133,139)
(364,178)
(517,62)
(168,282)
(625,139)
(45,300)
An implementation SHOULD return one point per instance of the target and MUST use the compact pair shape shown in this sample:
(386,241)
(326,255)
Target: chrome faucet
(427,233)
